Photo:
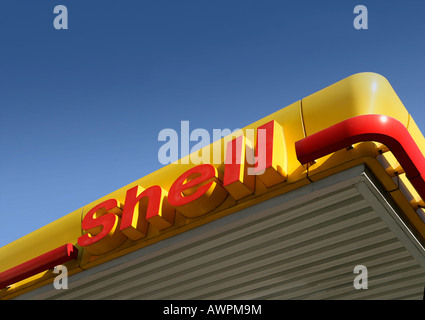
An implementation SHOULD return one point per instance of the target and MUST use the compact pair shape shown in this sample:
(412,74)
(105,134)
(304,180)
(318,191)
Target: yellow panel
(362,93)
(64,230)
(409,192)
(390,164)
(365,152)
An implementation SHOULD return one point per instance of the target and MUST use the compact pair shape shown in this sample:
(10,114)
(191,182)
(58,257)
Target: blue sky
(81,108)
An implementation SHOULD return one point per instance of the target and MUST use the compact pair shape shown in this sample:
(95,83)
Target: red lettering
(143,207)
(236,179)
(197,191)
(101,226)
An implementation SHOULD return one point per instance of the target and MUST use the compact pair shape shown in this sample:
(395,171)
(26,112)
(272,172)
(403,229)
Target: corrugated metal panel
(305,251)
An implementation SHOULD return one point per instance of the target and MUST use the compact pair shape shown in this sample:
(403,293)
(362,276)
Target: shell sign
(358,120)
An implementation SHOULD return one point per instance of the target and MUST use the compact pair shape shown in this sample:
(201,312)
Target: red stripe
(372,127)
(41,263)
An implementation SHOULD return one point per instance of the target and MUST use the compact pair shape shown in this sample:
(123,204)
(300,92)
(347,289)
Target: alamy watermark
(61,20)
(61,281)
(361,20)
(178,145)
(360,281)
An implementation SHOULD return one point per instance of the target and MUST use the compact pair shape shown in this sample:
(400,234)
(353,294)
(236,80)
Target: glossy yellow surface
(362,93)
